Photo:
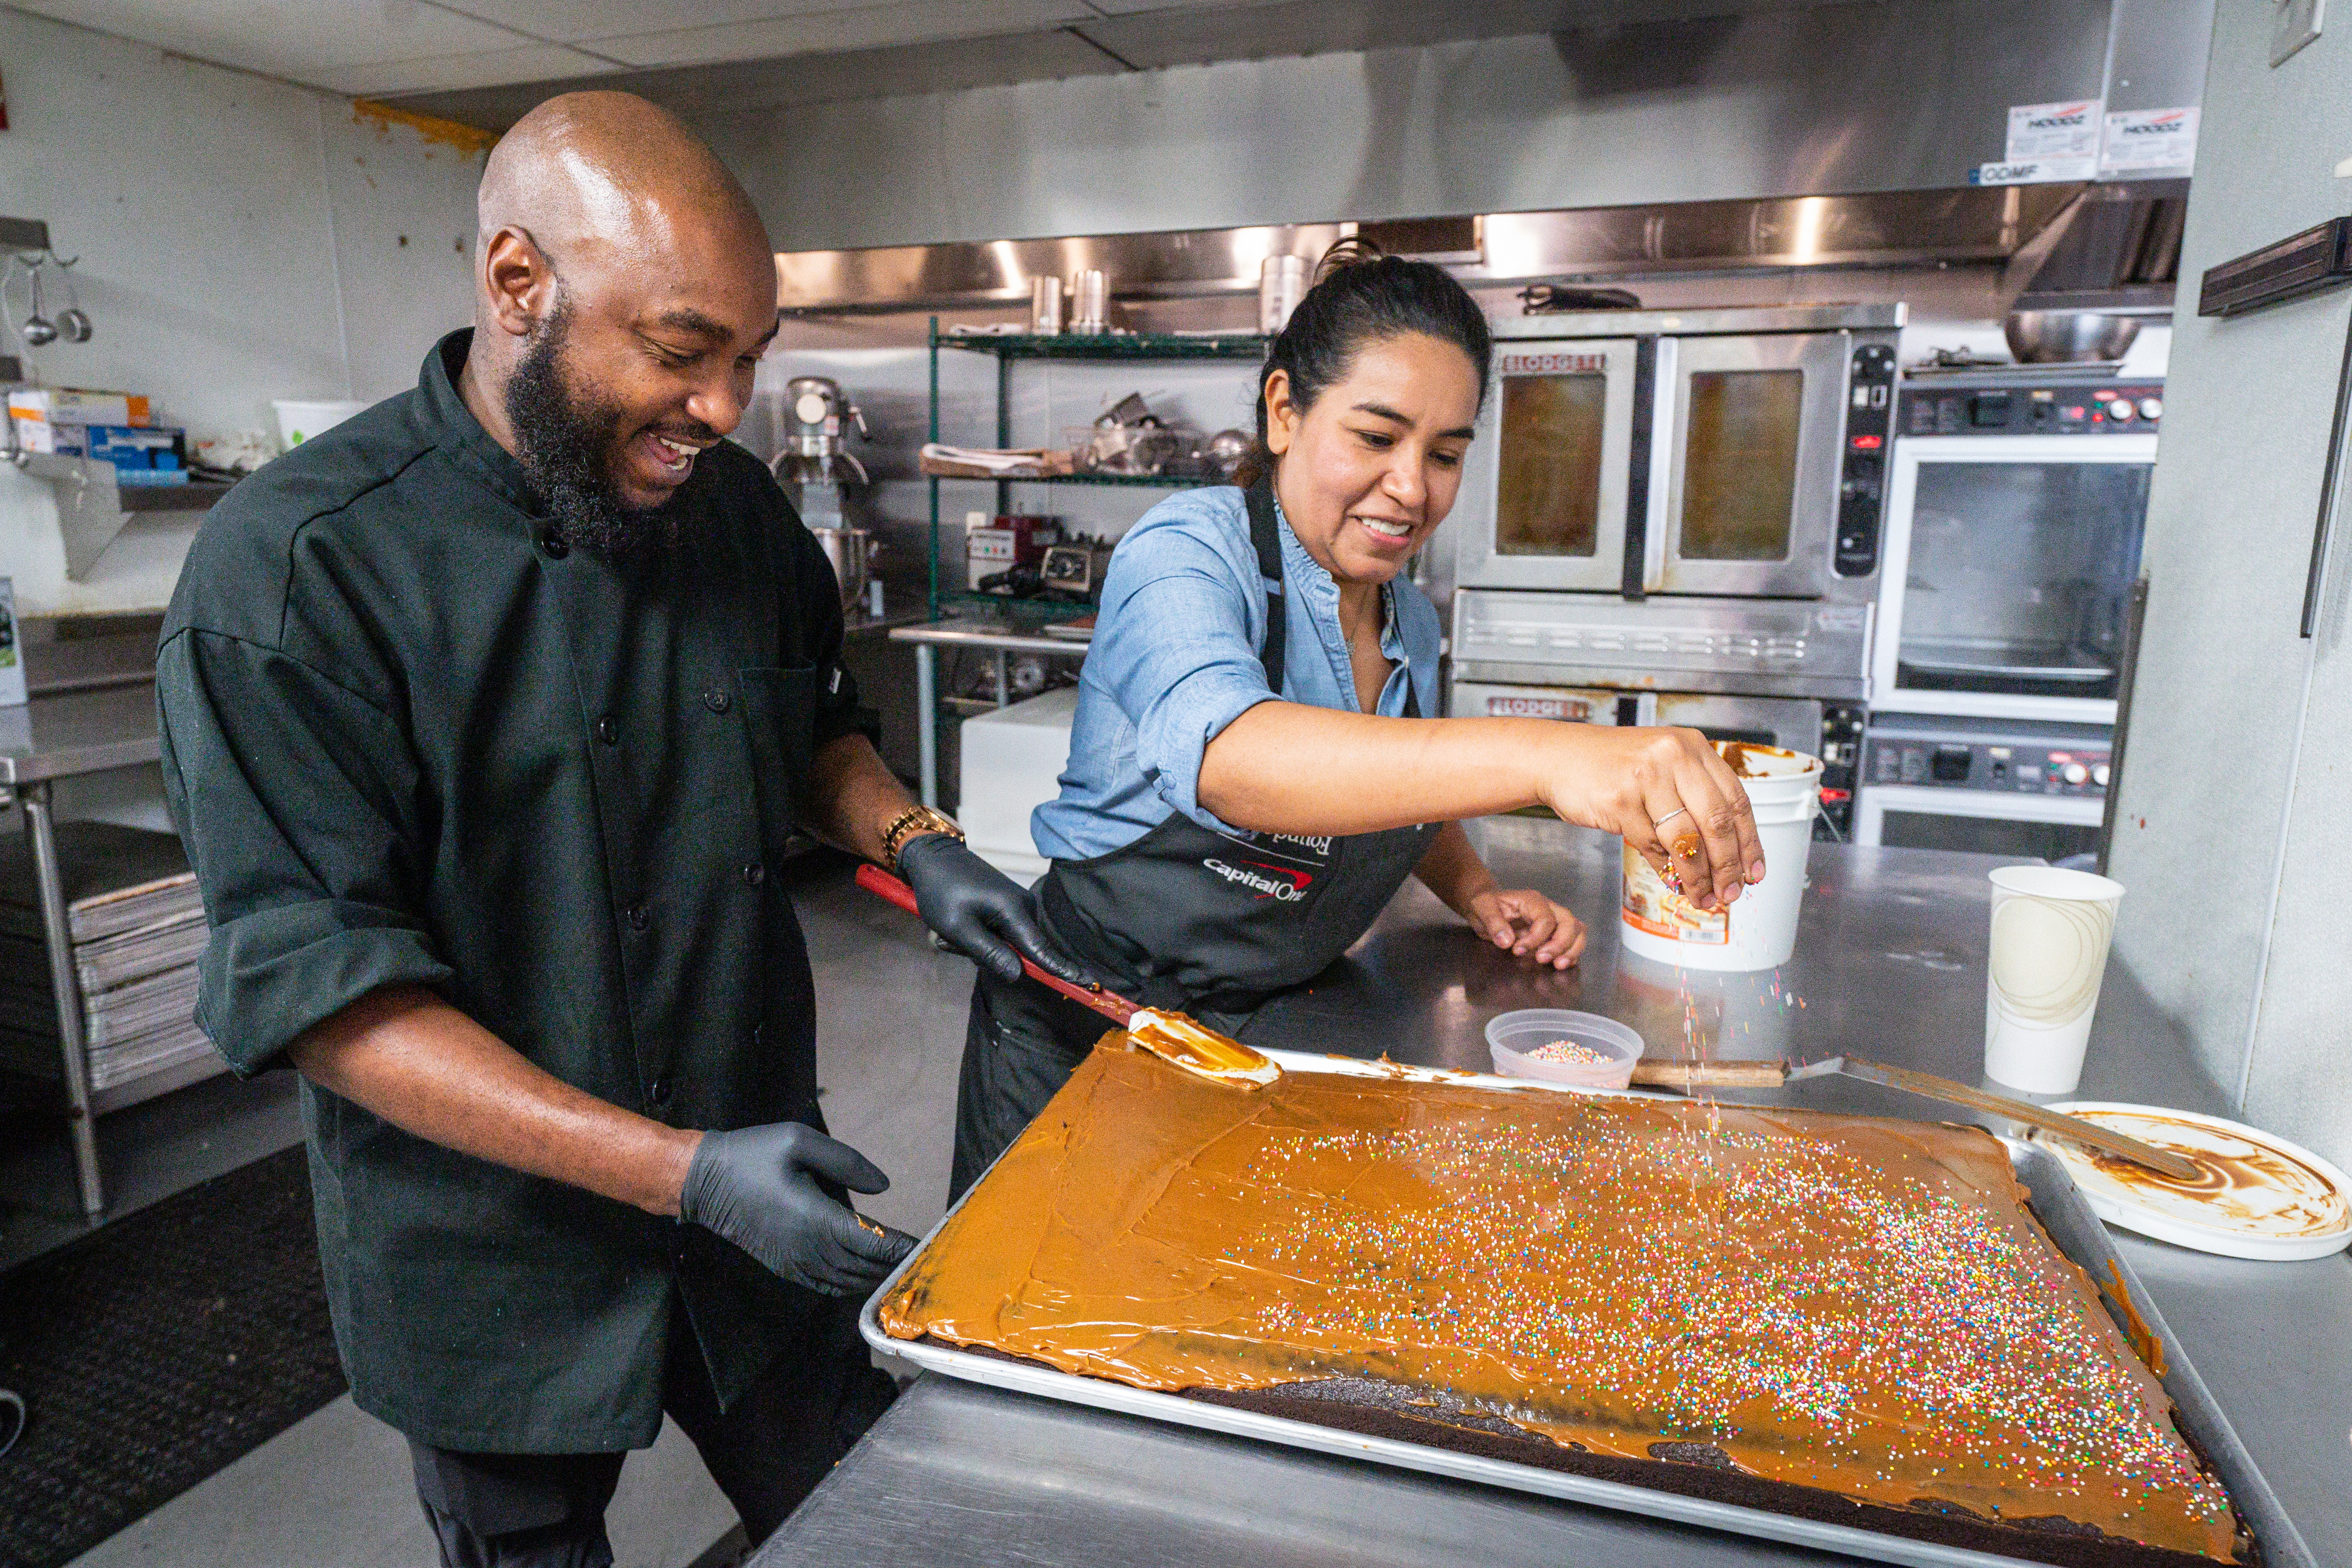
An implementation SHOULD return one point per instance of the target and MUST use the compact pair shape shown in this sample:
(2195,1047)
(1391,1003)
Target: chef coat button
(608,731)
(640,918)
(754,873)
(717,699)
(660,1092)
(551,546)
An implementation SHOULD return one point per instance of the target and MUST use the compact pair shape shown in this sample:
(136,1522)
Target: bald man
(487,718)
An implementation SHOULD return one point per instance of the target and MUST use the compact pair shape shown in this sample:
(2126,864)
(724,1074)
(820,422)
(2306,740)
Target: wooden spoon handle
(1670,1072)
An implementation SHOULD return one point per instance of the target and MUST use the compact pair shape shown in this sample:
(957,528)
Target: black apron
(1216,924)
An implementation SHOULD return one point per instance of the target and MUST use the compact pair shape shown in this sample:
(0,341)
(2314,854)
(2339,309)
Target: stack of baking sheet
(138,930)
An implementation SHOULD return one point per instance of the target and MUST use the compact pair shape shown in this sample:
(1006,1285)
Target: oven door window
(1739,475)
(1548,499)
(2051,841)
(1753,432)
(2019,576)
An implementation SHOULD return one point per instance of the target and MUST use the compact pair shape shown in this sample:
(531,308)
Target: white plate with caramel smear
(2258,1195)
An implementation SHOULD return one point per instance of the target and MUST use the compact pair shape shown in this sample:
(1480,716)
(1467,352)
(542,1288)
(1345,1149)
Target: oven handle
(1633,581)
(2331,490)
(2135,622)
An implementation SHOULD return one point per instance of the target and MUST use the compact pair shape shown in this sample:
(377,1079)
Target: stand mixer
(812,463)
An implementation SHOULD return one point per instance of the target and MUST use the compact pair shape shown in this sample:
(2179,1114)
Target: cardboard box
(142,455)
(77,406)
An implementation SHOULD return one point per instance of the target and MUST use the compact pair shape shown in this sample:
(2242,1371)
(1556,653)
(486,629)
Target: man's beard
(568,442)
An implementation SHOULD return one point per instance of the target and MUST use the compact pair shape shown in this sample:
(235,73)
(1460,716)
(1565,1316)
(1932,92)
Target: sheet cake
(1807,1303)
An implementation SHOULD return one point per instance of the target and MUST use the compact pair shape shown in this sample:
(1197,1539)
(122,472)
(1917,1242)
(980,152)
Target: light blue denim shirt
(1174,660)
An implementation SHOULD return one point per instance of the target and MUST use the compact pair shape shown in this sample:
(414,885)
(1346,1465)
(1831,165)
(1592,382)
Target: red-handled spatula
(1173,1037)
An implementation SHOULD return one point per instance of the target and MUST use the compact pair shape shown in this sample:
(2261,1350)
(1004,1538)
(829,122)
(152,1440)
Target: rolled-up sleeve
(1177,649)
(297,801)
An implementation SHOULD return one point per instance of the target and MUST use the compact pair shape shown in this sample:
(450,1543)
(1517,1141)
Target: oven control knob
(2151,407)
(2120,410)
(2099,774)
(2076,774)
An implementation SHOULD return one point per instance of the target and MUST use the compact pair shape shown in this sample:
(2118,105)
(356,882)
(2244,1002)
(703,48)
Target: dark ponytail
(1361,296)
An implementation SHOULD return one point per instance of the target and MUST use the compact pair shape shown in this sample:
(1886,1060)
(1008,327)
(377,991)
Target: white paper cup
(2050,934)
(1759,931)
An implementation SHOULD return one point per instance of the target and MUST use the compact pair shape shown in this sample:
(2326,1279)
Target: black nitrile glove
(757,1188)
(983,914)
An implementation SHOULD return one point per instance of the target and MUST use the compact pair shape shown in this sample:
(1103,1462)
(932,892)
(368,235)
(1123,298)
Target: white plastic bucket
(1758,931)
(298,420)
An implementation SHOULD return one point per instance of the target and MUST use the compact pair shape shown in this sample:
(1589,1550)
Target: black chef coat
(409,736)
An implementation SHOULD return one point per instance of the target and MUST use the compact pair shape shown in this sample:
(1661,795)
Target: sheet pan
(2056,1204)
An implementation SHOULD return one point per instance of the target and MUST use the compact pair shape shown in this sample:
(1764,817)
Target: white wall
(240,240)
(2229,824)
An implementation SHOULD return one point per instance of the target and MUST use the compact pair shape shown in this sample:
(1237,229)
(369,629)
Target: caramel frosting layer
(1832,1301)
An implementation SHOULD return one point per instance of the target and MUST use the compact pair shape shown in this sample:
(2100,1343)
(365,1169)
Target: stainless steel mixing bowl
(2060,337)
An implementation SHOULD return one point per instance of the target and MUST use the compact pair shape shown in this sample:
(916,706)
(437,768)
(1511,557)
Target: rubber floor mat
(157,1350)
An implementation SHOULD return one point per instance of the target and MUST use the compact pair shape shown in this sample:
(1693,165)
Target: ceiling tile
(576,21)
(292,38)
(859,28)
(1133,8)
(745,87)
(445,73)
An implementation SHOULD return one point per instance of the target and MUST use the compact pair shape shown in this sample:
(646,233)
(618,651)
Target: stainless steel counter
(1889,962)
(78,732)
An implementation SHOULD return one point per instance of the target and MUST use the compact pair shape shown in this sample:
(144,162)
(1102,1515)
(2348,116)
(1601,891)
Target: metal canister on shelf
(1045,306)
(1281,283)
(1090,302)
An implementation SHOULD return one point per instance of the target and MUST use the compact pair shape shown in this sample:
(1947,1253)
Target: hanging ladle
(38,330)
(73,323)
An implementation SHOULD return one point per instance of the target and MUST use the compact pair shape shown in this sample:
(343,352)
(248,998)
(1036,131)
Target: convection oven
(2015,519)
(1675,516)
(2015,510)
(1994,786)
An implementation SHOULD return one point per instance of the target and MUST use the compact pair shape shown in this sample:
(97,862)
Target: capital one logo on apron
(1273,882)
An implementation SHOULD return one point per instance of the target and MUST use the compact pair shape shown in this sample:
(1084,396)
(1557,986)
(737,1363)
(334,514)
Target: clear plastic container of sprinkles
(2055,1202)
(1583,1051)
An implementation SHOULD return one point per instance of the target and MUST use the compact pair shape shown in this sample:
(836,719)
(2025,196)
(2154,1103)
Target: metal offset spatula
(1175,1038)
(1771,1074)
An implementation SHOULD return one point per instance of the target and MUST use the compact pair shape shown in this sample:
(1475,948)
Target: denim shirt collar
(1317,592)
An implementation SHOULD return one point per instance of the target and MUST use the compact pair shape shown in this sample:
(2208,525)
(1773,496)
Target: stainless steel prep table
(51,738)
(1889,962)
(998,638)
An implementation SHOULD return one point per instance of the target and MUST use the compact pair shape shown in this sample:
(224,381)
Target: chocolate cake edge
(1933,1523)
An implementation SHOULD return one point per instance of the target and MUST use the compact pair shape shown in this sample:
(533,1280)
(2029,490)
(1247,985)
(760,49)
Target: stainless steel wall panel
(2159,56)
(1906,95)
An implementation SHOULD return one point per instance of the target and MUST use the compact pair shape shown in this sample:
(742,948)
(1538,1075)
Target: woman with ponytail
(1257,765)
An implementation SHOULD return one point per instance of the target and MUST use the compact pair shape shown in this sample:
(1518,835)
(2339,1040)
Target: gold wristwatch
(913,821)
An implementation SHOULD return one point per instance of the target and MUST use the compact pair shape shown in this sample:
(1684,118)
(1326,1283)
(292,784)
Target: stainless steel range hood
(1886,229)
(1669,143)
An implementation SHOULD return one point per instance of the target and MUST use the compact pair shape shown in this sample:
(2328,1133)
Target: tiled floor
(334,1489)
